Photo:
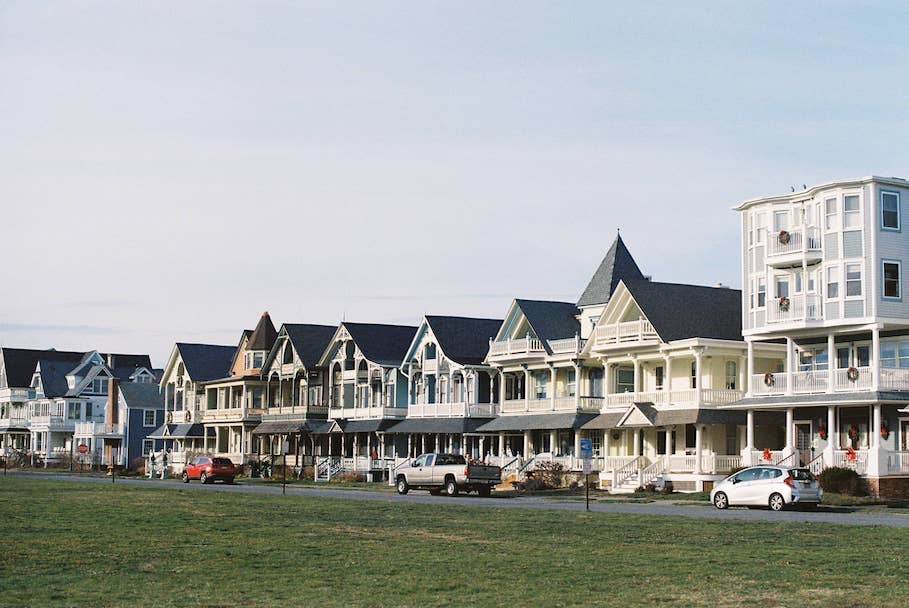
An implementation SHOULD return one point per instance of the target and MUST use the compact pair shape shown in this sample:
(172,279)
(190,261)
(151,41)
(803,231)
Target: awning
(278,427)
(536,422)
(180,431)
(639,415)
(363,426)
(439,425)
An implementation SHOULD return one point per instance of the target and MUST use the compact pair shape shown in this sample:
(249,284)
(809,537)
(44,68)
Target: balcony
(624,334)
(13,395)
(856,379)
(557,404)
(230,414)
(797,308)
(787,249)
(516,348)
(452,410)
(430,366)
(294,411)
(359,413)
(705,397)
(95,429)
(18,421)
(566,346)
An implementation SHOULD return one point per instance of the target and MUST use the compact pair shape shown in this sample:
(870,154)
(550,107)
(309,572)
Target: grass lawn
(98,545)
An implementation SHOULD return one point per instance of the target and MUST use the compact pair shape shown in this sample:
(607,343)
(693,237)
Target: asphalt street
(863,517)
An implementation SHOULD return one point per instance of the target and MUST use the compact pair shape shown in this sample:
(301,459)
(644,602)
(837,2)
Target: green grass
(94,545)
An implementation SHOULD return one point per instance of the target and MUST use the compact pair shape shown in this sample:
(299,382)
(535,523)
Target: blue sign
(586,448)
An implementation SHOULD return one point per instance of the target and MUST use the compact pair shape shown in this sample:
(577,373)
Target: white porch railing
(451,410)
(520,346)
(708,396)
(898,462)
(803,239)
(628,471)
(622,333)
(863,382)
(367,412)
(776,456)
(559,404)
(894,379)
(817,465)
(810,381)
(764,384)
(568,345)
(800,307)
(859,464)
(232,413)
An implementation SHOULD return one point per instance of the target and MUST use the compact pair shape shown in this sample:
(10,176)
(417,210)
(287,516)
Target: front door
(803,441)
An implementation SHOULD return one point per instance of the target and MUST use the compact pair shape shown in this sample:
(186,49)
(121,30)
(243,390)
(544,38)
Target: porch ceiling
(439,425)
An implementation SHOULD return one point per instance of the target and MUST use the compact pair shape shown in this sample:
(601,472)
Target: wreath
(170,417)
(187,417)
(850,455)
(767,455)
(853,374)
(885,431)
(853,432)
(822,433)
(784,303)
(769,380)
(783,237)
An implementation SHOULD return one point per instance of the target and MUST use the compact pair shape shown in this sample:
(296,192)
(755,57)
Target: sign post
(83,450)
(587,454)
(285,447)
(6,453)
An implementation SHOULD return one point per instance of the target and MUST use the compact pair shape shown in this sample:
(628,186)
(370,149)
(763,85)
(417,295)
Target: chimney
(112,411)
(110,361)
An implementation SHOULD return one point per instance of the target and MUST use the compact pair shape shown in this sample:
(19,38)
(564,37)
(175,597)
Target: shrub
(552,474)
(840,480)
(346,477)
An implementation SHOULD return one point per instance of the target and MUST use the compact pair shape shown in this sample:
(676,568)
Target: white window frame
(899,218)
(759,291)
(831,226)
(857,213)
(828,282)
(846,281)
(145,414)
(899,280)
(146,448)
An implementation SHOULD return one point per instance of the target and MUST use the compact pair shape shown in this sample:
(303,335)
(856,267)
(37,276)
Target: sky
(170,170)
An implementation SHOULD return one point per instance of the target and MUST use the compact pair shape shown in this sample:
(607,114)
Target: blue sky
(170,170)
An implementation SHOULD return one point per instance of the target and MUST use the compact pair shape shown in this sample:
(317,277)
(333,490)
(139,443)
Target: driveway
(862,517)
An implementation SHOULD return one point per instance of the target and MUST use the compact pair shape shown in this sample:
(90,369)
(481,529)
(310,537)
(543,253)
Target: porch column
(423,443)
(501,392)
(878,458)
(743,378)
(698,376)
(409,445)
(749,437)
(606,440)
(697,448)
(526,389)
(354,449)
(501,449)
(553,441)
(667,378)
(577,444)
(829,456)
(876,425)
(875,360)
(790,362)
(552,386)
(790,428)
(636,448)
(450,444)
(637,375)
(528,439)
(483,448)
(750,368)
(577,386)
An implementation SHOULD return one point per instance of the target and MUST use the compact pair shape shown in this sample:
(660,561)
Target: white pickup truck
(449,473)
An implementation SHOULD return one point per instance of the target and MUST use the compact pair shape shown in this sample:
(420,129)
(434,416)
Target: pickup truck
(449,473)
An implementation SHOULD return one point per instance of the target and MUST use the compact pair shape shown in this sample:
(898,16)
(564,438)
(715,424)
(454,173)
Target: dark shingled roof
(206,361)
(535,422)
(382,344)
(364,426)
(689,311)
(123,366)
(551,320)
(439,425)
(179,431)
(616,266)
(310,341)
(53,374)
(671,417)
(464,340)
(146,396)
(20,363)
(265,334)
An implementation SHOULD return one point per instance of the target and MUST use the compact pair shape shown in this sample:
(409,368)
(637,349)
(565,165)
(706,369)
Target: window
(595,376)
(833,282)
(888,354)
(148,446)
(761,292)
(892,284)
(694,374)
(863,355)
(624,380)
(842,358)
(780,221)
(539,383)
(830,215)
(148,418)
(73,411)
(852,212)
(759,228)
(658,372)
(782,287)
(571,383)
(731,375)
(890,210)
(853,280)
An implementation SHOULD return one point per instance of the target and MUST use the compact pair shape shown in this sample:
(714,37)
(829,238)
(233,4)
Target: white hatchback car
(768,486)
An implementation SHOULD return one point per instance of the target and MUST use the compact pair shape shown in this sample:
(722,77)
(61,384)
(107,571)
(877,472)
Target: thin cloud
(40,327)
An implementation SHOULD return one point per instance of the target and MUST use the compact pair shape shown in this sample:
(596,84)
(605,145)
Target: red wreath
(783,237)
(822,433)
(885,432)
(767,455)
(853,432)
(850,455)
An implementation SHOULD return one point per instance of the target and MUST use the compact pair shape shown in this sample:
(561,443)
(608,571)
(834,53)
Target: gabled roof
(616,266)
(264,336)
(53,374)
(382,344)
(240,349)
(309,341)
(138,395)
(463,340)
(206,361)
(680,311)
(551,320)
(20,363)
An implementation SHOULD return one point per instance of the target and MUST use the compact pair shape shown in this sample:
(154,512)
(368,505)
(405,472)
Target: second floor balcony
(624,334)
(94,429)
(452,410)
(787,248)
(519,347)
(841,380)
(16,395)
(691,397)
(794,309)
(375,412)
(231,414)
(567,403)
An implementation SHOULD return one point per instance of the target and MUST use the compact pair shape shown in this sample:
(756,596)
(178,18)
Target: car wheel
(484,491)
(776,502)
(451,488)
(720,500)
(203,478)
(403,487)
(185,477)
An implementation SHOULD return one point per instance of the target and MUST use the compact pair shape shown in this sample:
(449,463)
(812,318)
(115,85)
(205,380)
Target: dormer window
(97,386)
(255,359)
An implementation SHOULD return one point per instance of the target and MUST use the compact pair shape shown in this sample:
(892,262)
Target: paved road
(864,517)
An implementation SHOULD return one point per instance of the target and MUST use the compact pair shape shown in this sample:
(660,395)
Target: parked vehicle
(768,486)
(449,473)
(209,470)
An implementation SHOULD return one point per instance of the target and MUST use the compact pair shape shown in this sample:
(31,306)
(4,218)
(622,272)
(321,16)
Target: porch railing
(708,397)
(895,379)
(519,346)
(862,382)
(806,238)
(626,472)
(842,458)
(621,333)
(898,462)
(568,345)
(798,307)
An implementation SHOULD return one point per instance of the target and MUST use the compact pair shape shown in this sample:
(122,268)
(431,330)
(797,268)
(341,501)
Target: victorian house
(823,274)
(296,400)
(183,388)
(451,391)
(367,394)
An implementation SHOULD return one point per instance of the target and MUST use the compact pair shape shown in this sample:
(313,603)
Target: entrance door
(803,441)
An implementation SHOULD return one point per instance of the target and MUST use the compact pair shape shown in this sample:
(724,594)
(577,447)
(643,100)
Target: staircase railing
(626,472)
(787,461)
(652,471)
(817,465)
(327,468)
(522,470)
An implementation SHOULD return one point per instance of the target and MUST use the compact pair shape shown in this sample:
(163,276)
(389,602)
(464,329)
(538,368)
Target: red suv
(207,470)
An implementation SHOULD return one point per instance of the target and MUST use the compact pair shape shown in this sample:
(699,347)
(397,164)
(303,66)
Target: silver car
(767,486)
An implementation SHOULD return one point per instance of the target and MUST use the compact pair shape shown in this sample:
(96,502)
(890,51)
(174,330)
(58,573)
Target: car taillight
(788,481)
(467,471)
